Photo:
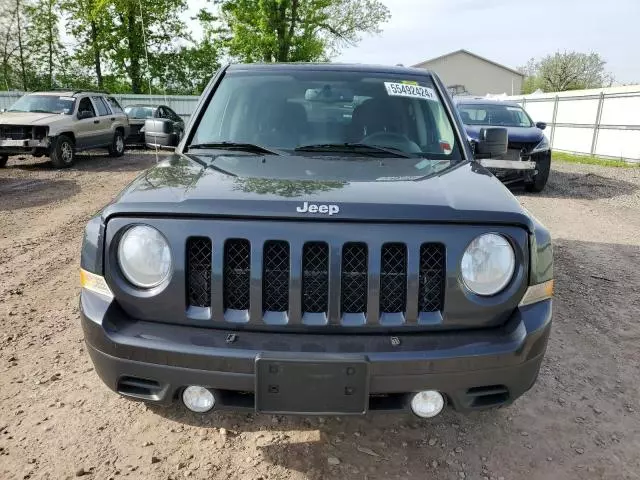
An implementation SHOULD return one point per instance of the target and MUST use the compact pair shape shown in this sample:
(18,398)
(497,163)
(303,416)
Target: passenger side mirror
(492,142)
(159,133)
(2,110)
(541,125)
(82,114)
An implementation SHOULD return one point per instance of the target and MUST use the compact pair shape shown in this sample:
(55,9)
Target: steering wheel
(392,140)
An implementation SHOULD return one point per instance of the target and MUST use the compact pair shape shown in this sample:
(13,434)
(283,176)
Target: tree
(20,28)
(148,28)
(566,71)
(43,42)
(296,30)
(187,69)
(9,44)
(91,25)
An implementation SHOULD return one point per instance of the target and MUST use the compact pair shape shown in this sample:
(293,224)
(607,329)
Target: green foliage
(143,46)
(296,30)
(565,71)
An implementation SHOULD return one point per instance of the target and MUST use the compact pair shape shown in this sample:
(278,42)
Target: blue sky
(506,31)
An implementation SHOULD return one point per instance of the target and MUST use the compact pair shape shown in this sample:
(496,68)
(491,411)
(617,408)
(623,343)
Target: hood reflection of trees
(284,188)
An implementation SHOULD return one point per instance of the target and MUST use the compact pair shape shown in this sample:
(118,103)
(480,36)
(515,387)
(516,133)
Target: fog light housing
(198,399)
(427,404)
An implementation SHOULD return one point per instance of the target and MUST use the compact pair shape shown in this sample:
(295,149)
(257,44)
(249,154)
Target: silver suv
(60,123)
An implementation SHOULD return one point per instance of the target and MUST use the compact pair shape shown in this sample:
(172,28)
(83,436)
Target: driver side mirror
(541,125)
(82,114)
(492,142)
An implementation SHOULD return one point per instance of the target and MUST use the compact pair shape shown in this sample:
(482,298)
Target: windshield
(140,112)
(44,104)
(502,115)
(331,114)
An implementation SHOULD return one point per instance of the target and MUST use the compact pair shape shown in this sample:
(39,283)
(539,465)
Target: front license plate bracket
(311,386)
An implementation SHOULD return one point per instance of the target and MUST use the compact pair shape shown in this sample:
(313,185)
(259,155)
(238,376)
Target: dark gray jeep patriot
(322,241)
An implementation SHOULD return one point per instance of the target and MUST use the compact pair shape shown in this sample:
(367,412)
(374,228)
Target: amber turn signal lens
(537,293)
(94,283)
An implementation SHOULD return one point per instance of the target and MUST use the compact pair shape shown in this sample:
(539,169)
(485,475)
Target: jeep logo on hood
(318,208)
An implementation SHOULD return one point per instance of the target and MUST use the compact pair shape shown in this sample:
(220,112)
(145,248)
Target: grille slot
(315,277)
(354,278)
(237,274)
(432,276)
(221,285)
(16,132)
(199,271)
(393,278)
(275,277)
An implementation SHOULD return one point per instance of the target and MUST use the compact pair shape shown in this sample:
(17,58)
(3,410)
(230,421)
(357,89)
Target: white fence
(183,105)
(604,122)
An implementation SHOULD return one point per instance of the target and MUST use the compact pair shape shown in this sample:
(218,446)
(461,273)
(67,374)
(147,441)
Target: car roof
(458,100)
(155,105)
(68,93)
(335,67)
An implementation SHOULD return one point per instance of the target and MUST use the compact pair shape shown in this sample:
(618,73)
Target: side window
(86,106)
(101,106)
(115,106)
(173,115)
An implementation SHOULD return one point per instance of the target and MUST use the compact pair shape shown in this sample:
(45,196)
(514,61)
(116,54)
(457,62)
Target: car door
(178,123)
(88,129)
(105,120)
(117,114)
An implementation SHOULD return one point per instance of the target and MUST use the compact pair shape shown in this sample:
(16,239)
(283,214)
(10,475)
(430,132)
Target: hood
(515,134)
(29,118)
(278,186)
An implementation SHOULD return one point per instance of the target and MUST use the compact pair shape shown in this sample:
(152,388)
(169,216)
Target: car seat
(466,118)
(373,116)
(284,125)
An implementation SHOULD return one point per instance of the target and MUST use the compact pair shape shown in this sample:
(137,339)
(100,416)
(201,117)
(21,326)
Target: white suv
(60,123)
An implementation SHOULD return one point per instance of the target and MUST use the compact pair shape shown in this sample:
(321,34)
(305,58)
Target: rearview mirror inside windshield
(328,94)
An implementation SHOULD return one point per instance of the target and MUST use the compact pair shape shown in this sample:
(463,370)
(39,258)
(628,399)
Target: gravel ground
(57,420)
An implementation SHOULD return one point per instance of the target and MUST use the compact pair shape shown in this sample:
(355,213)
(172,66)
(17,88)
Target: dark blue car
(527,142)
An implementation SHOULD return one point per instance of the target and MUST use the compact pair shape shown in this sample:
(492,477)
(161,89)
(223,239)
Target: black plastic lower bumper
(473,368)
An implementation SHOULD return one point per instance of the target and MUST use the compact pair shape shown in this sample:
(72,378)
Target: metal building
(466,72)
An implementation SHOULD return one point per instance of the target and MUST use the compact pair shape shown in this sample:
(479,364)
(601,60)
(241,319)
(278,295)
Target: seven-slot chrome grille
(360,287)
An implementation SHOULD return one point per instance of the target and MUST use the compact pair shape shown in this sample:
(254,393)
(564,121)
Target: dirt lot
(57,420)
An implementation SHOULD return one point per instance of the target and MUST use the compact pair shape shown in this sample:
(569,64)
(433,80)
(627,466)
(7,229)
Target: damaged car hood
(29,118)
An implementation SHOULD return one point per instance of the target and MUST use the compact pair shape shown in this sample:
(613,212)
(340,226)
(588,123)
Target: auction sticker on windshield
(411,91)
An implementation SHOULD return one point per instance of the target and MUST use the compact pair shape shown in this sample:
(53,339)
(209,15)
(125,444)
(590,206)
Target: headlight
(542,146)
(144,256)
(488,264)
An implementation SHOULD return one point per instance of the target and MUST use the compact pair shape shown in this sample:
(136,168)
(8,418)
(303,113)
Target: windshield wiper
(36,110)
(243,147)
(353,147)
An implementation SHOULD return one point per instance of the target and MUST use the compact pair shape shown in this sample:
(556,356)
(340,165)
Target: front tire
(116,149)
(3,160)
(63,152)
(540,179)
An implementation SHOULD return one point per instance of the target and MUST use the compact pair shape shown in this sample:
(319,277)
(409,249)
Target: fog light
(427,404)
(198,399)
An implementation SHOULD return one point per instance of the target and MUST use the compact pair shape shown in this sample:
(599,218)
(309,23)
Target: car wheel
(62,152)
(540,178)
(116,149)
(3,160)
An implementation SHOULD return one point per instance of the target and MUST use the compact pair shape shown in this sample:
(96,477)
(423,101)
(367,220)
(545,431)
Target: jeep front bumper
(23,146)
(474,369)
